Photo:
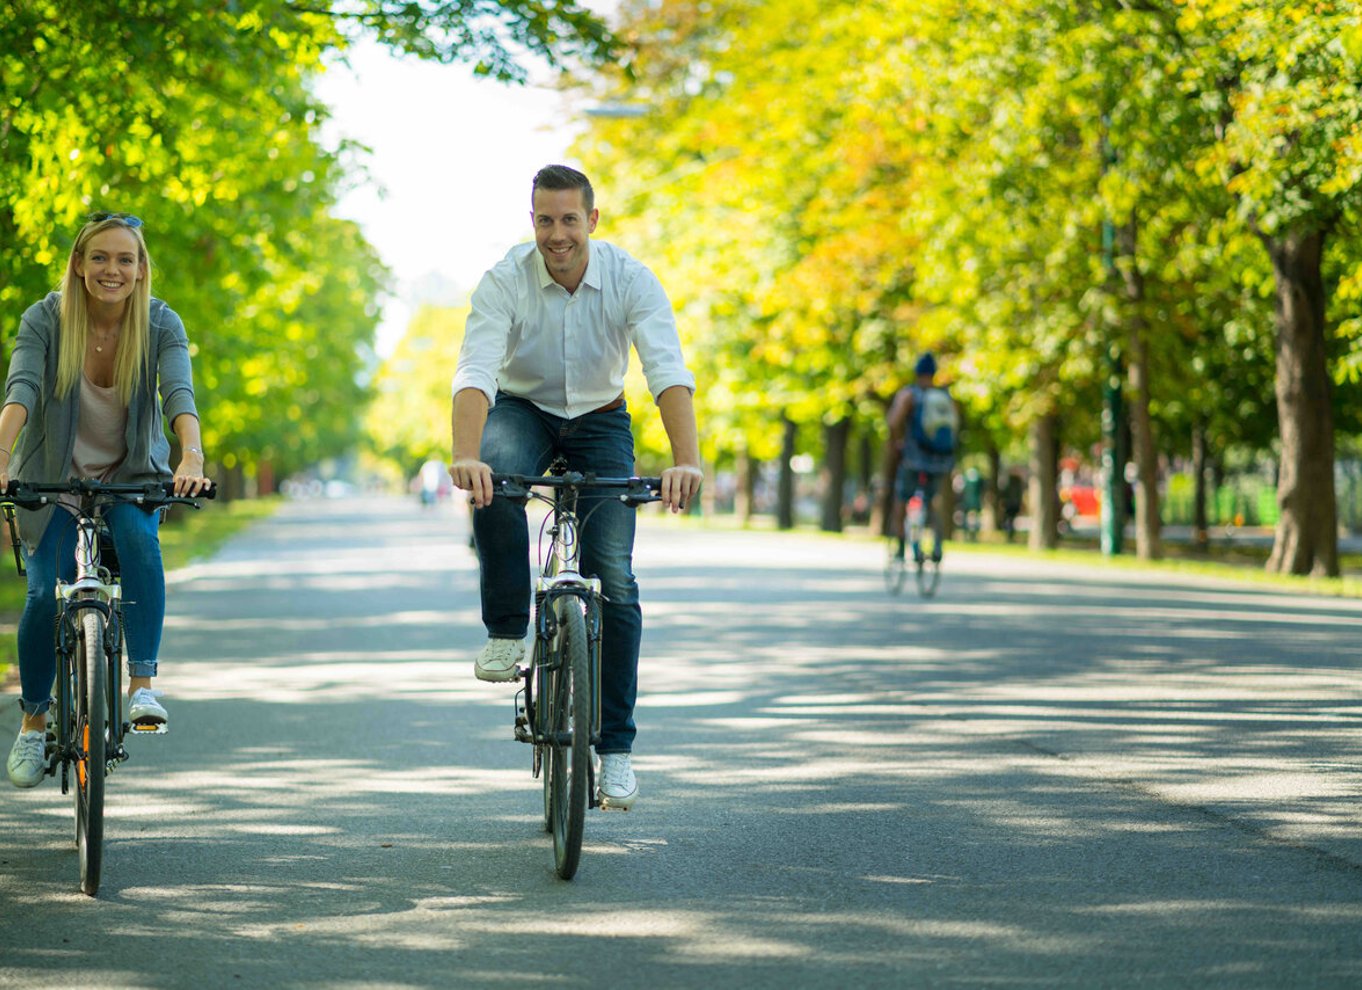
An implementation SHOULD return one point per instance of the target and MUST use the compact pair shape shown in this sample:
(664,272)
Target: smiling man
(541,374)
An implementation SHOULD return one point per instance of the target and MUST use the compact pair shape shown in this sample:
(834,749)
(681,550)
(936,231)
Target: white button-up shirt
(568,352)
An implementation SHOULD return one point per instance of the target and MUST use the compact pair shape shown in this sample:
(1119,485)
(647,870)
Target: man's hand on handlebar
(680,485)
(474,477)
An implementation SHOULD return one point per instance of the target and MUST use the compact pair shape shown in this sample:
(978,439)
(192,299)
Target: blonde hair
(135,334)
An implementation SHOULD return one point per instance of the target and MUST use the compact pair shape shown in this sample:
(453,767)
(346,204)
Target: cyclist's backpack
(935,420)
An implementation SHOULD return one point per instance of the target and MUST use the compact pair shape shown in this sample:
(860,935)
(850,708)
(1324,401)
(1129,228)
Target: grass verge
(187,536)
(1231,561)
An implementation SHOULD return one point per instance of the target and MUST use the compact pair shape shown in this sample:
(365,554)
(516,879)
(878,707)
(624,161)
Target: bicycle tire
(928,560)
(569,750)
(895,568)
(539,726)
(928,577)
(92,718)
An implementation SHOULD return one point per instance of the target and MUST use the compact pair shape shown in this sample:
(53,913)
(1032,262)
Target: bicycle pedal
(150,728)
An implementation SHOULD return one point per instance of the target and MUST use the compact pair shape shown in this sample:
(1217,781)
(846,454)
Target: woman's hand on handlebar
(189,477)
(474,477)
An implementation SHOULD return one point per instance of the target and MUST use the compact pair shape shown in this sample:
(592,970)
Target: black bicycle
(85,733)
(923,534)
(558,711)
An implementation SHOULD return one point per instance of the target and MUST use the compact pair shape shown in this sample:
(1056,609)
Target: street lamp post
(1113,519)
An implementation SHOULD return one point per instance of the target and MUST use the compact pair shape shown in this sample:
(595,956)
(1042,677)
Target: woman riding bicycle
(81,401)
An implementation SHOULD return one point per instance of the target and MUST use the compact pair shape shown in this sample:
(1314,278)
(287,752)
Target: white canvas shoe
(28,759)
(617,788)
(499,659)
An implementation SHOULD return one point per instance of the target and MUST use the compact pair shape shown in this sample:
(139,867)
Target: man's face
(562,228)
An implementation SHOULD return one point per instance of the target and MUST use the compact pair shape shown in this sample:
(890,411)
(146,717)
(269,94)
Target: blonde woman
(81,402)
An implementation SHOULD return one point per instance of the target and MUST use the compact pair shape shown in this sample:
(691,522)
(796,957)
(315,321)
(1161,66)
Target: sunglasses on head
(127,219)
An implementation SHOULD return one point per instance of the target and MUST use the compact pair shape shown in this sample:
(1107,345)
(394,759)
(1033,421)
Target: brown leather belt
(610,406)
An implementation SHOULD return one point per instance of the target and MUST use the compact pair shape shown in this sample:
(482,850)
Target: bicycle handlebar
(36,494)
(635,491)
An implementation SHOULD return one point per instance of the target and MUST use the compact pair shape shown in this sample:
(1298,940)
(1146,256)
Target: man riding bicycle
(541,374)
(922,428)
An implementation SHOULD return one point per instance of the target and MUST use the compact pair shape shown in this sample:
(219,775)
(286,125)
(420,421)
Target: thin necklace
(100,339)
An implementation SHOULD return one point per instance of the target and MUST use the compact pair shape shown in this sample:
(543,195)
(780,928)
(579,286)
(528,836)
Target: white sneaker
(28,759)
(499,659)
(617,787)
(144,709)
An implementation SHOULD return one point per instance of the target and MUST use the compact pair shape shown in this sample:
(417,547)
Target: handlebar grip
(211,492)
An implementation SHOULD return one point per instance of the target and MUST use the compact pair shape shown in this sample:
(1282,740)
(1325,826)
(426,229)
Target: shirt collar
(591,277)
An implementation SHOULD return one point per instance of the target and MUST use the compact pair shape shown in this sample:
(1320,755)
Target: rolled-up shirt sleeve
(485,337)
(652,328)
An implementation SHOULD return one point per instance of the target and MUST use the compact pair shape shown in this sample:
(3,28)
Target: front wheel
(569,723)
(895,567)
(92,718)
(927,558)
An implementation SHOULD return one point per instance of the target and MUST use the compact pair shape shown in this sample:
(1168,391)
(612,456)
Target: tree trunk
(865,462)
(1201,537)
(883,520)
(1143,447)
(785,486)
(231,483)
(745,495)
(835,438)
(1044,494)
(1307,531)
(264,476)
(993,487)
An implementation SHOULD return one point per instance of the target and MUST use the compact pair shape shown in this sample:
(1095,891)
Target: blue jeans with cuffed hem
(520,438)
(136,536)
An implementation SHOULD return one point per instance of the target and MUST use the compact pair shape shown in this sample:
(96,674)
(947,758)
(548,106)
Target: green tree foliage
(408,421)
(197,116)
(831,187)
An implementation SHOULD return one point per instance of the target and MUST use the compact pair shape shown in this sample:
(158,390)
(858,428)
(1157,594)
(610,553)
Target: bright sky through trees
(450,166)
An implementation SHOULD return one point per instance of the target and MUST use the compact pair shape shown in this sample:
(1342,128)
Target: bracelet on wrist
(194,450)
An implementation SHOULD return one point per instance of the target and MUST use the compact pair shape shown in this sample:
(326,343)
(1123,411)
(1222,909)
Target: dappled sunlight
(312,624)
(1027,768)
(314,678)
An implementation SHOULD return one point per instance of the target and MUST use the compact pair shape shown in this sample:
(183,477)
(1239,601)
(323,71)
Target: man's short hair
(562,177)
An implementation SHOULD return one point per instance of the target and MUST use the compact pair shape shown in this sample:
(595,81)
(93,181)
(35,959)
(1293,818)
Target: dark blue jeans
(136,536)
(520,438)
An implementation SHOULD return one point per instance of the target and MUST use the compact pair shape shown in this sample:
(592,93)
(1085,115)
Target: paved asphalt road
(1046,777)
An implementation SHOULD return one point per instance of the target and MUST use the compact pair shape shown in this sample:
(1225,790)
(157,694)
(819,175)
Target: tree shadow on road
(1031,780)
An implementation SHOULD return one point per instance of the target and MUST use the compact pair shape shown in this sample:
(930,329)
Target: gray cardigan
(47,441)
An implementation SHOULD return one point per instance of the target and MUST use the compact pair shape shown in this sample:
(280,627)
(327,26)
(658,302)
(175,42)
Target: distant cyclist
(923,427)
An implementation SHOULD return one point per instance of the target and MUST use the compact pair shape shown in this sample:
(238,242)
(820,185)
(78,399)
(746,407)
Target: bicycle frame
(559,708)
(94,588)
(88,723)
(560,575)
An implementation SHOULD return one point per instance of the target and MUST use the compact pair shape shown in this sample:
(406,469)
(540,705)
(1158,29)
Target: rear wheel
(91,725)
(569,723)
